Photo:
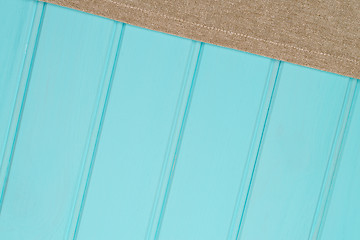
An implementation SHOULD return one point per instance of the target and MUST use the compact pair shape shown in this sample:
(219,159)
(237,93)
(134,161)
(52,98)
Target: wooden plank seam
(19,104)
(175,149)
(173,137)
(89,154)
(254,152)
(255,142)
(334,159)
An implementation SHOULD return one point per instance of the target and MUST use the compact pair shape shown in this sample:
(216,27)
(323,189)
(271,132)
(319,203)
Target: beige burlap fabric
(322,34)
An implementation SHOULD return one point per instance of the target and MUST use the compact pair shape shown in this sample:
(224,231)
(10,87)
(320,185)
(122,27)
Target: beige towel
(322,34)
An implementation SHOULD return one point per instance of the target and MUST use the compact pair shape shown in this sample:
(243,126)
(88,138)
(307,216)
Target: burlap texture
(314,33)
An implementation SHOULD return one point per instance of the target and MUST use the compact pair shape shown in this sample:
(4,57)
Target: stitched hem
(356,61)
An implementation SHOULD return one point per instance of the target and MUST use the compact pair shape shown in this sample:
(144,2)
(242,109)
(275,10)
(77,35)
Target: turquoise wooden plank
(68,70)
(120,132)
(142,110)
(324,195)
(175,141)
(14,40)
(215,146)
(93,140)
(294,156)
(342,220)
(17,33)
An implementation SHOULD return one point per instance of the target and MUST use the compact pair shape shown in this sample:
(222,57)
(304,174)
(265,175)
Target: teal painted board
(17,43)
(14,38)
(293,159)
(342,220)
(110,131)
(142,107)
(214,148)
(63,84)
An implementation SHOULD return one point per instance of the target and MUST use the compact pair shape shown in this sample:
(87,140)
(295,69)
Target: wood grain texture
(294,155)
(150,73)
(17,50)
(63,85)
(110,131)
(214,149)
(14,41)
(342,218)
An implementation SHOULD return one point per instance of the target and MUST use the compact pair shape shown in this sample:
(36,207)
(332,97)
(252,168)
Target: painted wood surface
(110,131)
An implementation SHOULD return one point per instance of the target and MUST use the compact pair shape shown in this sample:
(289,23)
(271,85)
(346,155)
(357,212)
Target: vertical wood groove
(174,135)
(334,158)
(20,100)
(256,138)
(254,152)
(95,131)
(175,154)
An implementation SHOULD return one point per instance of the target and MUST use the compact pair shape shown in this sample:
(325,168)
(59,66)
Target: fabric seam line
(228,31)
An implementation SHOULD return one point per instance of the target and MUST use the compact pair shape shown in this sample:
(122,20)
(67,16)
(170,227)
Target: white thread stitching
(227,31)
